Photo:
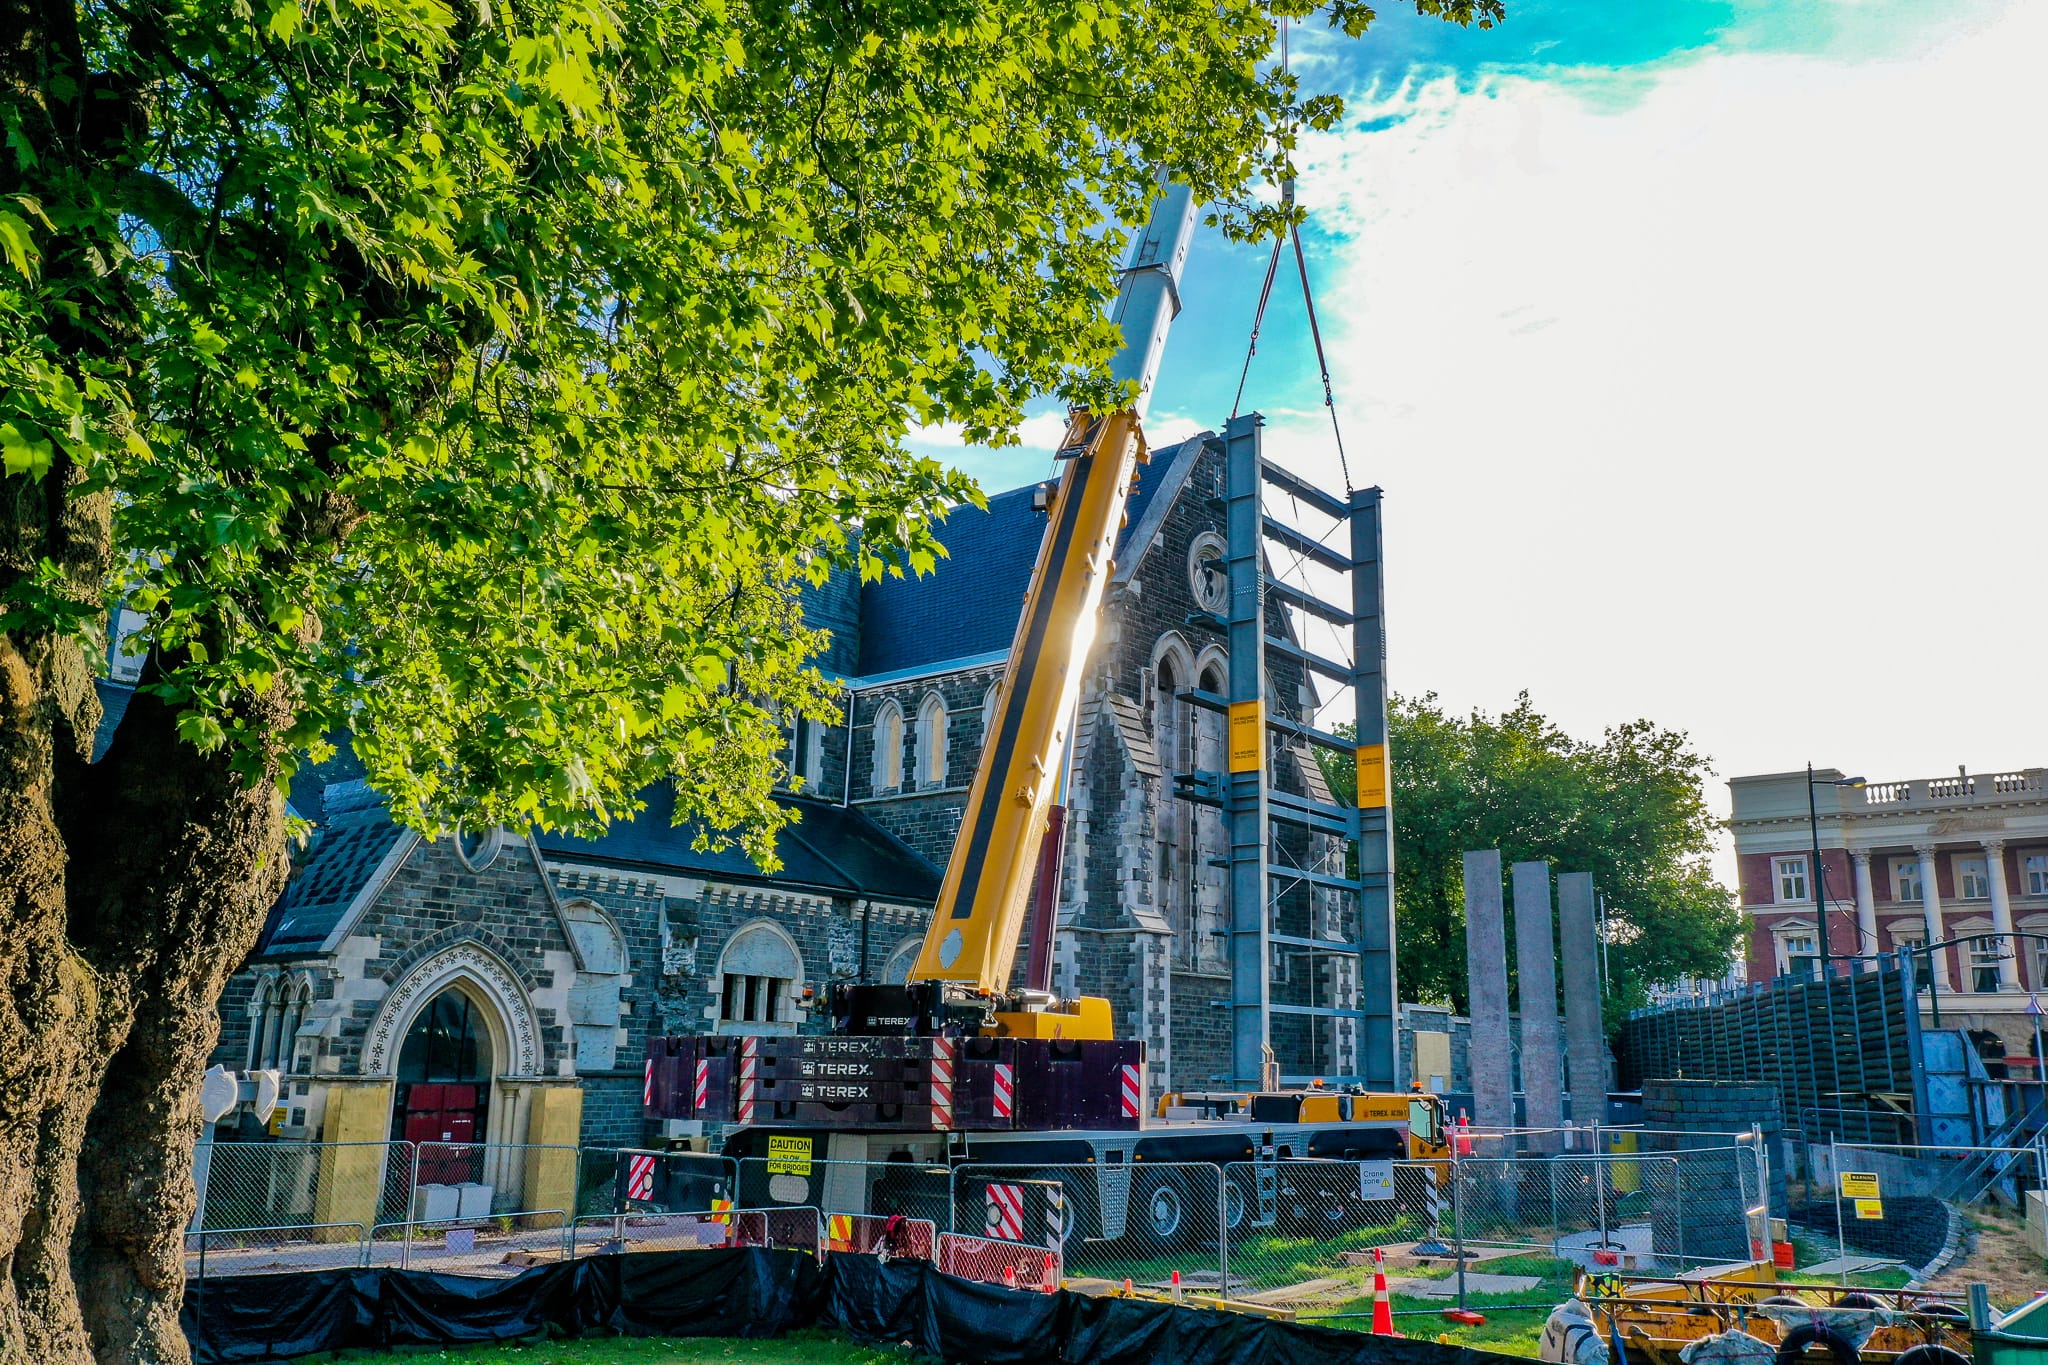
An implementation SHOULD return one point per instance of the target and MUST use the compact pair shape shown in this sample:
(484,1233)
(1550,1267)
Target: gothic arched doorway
(443,1093)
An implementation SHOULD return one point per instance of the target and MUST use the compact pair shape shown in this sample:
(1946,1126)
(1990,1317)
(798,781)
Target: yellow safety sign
(1372,776)
(841,1231)
(1247,736)
(1860,1185)
(1870,1208)
(789,1156)
(721,1210)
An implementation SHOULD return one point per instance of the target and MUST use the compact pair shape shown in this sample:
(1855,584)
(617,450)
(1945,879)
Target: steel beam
(1245,782)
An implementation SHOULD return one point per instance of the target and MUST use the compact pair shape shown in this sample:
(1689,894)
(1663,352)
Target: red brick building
(1903,863)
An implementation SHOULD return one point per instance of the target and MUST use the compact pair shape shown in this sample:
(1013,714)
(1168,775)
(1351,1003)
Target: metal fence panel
(992,1260)
(274,1250)
(1300,1234)
(1140,1222)
(501,1245)
(1899,1216)
(302,1184)
(906,1189)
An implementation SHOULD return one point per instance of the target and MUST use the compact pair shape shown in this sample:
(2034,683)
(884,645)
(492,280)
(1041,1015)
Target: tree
(483,377)
(1629,809)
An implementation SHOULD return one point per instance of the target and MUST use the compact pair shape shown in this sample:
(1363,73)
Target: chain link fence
(301,1184)
(1880,1216)
(1297,1235)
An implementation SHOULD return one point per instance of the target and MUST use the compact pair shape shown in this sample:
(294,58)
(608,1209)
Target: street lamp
(1820,881)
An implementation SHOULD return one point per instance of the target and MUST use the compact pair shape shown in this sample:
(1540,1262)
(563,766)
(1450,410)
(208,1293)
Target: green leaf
(18,246)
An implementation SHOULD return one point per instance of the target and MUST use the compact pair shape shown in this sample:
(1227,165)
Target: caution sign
(1372,776)
(1870,1208)
(1860,1185)
(1247,736)
(789,1156)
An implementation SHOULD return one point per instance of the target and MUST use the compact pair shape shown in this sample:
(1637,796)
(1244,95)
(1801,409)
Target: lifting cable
(1308,300)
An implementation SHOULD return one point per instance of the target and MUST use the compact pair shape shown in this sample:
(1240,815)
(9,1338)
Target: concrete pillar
(1536,971)
(1930,906)
(1866,910)
(1486,970)
(1585,1037)
(2001,916)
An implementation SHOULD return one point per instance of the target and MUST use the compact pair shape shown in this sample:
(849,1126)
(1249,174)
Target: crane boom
(973,936)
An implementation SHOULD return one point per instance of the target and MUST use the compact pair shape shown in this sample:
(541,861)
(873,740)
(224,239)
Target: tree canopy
(1630,809)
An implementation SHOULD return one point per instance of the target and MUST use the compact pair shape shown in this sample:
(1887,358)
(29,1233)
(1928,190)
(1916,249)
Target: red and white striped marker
(1005,1216)
(748,1046)
(703,1087)
(647,1085)
(1006,1091)
(942,1082)
(1052,1279)
(640,1177)
(1133,1093)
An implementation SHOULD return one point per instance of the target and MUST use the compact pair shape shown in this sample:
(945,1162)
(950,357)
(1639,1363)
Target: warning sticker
(1860,1185)
(1247,736)
(789,1156)
(1372,776)
(1870,1208)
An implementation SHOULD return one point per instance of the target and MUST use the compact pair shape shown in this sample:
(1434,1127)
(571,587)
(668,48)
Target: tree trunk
(129,890)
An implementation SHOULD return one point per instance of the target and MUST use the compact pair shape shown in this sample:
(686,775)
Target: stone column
(1930,907)
(1486,970)
(1585,1039)
(1536,968)
(1866,909)
(2001,916)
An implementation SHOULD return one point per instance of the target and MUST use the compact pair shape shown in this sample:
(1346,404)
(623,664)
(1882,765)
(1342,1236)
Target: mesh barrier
(991,1260)
(1141,1222)
(633,1180)
(784,1229)
(1896,1216)
(891,1236)
(499,1246)
(610,1234)
(1300,1234)
(301,1184)
(271,1251)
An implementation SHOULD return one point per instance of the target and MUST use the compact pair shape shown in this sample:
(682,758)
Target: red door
(443,1120)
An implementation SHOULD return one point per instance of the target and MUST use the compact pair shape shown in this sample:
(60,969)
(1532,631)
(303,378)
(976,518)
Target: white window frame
(2034,873)
(1983,956)
(1806,940)
(888,731)
(1906,887)
(1784,871)
(1973,877)
(931,742)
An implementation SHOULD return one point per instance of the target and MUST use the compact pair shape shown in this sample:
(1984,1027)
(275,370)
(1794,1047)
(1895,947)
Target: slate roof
(356,837)
(968,606)
(829,848)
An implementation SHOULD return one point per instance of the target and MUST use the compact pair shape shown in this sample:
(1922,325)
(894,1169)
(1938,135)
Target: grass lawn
(812,1348)
(1514,1322)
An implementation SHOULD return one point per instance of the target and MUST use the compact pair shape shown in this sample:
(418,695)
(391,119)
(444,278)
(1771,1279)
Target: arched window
(286,1056)
(931,742)
(594,1000)
(760,974)
(263,1021)
(896,970)
(888,748)
(988,709)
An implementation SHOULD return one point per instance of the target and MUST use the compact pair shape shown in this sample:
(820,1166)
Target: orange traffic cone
(1052,1279)
(1464,1134)
(1176,1286)
(1382,1306)
(1127,1286)
(1009,1277)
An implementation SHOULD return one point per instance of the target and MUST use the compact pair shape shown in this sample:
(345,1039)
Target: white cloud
(1718,405)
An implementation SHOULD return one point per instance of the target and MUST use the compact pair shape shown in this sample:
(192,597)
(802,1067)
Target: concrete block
(2037,1223)
(432,1203)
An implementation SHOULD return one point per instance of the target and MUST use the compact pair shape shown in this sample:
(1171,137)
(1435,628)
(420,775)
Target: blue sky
(1696,344)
